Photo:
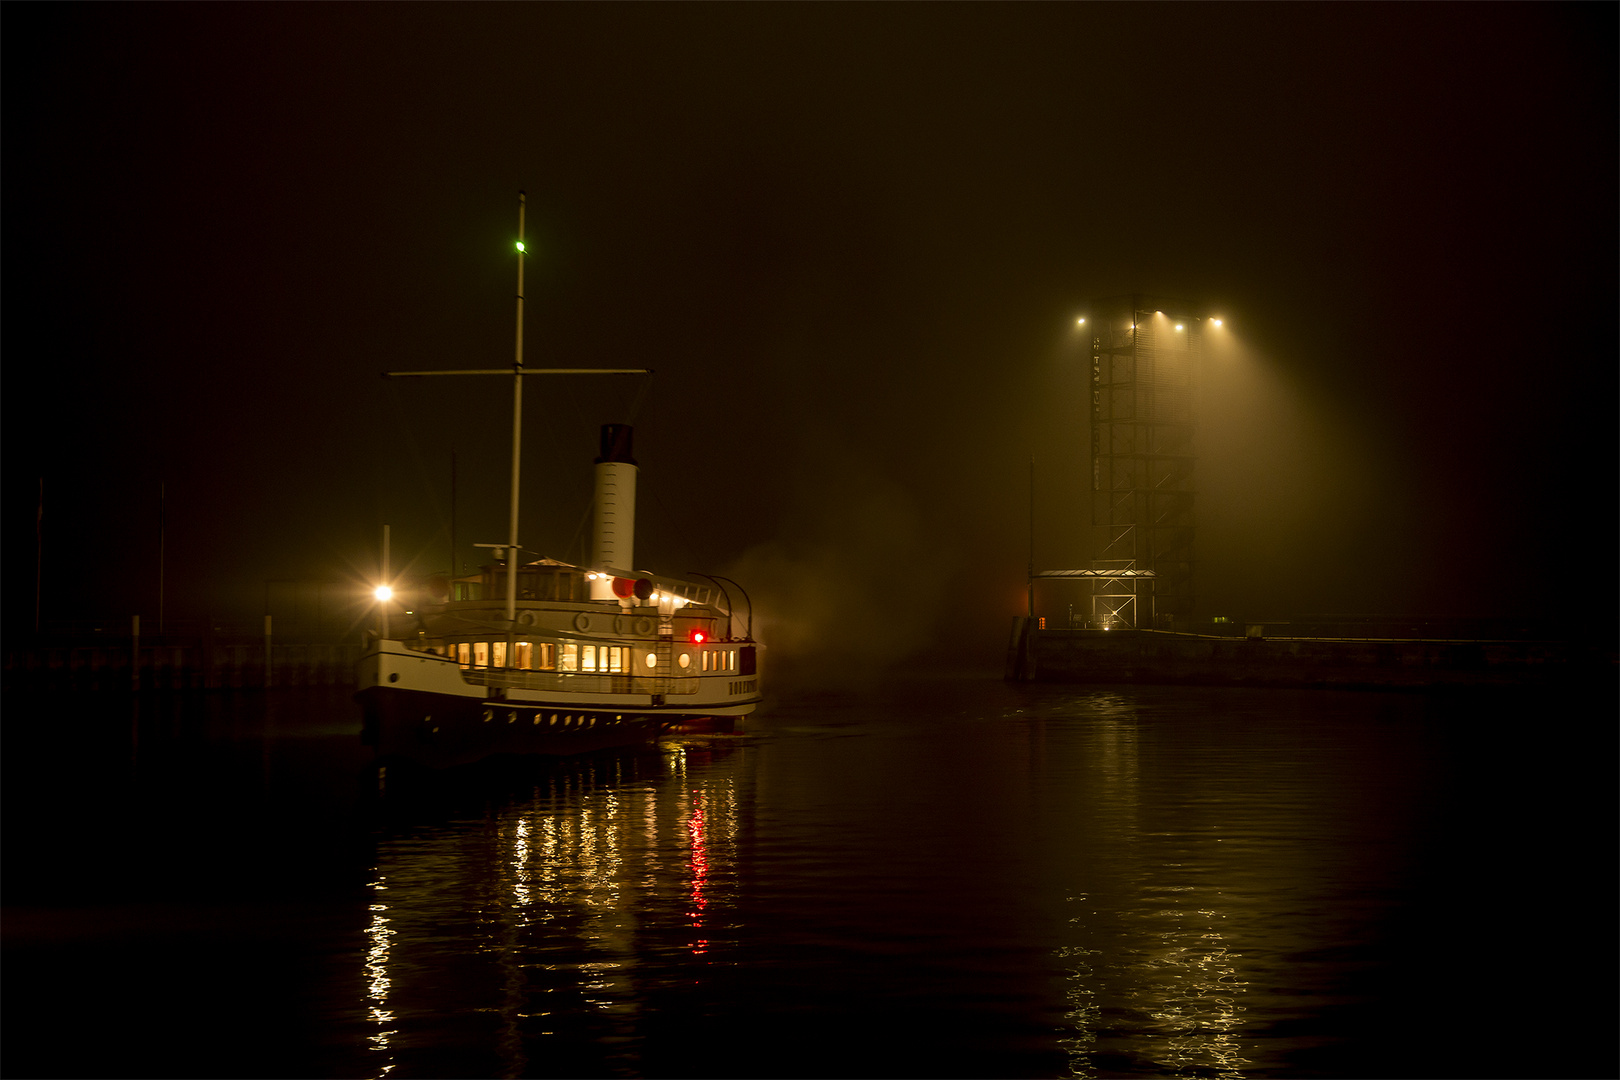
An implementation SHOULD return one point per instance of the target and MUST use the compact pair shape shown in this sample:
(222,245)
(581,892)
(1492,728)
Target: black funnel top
(616,444)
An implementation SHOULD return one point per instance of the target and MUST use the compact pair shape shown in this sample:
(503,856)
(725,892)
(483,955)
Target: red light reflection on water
(695,826)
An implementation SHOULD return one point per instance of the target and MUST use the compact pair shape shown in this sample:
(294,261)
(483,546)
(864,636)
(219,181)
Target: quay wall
(1152,656)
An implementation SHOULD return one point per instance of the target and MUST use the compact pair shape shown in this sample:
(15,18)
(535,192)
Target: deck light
(383,593)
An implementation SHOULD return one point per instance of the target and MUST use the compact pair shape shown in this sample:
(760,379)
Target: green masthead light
(520,246)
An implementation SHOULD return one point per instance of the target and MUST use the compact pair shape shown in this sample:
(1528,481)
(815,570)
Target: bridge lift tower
(1144,359)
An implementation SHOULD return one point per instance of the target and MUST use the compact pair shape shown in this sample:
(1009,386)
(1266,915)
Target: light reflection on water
(965,879)
(1173,997)
(1166,862)
(561,892)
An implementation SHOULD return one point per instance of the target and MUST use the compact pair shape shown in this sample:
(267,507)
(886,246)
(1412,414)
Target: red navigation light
(696,636)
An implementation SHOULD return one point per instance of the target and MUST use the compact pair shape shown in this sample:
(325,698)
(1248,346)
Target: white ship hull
(426,707)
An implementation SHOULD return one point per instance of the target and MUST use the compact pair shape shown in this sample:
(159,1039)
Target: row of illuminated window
(570,656)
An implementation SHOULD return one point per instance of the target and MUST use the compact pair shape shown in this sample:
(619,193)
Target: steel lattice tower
(1144,361)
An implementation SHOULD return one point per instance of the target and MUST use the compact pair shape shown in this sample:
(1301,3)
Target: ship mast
(517,439)
(517,371)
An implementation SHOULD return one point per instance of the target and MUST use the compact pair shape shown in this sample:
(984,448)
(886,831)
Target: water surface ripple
(950,877)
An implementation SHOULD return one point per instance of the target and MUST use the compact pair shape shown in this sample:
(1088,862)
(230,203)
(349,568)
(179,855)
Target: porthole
(652,660)
(684,660)
(393,676)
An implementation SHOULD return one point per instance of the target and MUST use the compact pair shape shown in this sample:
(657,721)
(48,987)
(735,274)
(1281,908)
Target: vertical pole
(135,652)
(1138,515)
(267,650)
(162,497)
(382,605)
(452,524)
(1031,579)
(517,441)
(39,550)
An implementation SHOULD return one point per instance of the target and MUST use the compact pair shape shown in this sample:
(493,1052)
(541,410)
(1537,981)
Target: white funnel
(613,537)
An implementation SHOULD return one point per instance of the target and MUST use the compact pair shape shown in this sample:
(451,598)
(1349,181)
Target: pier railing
(194,656)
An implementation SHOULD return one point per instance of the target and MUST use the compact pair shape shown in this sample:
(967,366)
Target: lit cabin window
(589,658)
(497,654)
(546,660)
(569,658)
(731,659)
(480,654)
(684,660)
(618,656)
(463,653)
(652,660)
(522,655)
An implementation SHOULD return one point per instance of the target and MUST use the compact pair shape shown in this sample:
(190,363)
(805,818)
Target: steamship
(546,657)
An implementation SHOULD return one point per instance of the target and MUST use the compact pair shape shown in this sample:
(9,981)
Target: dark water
(945,877)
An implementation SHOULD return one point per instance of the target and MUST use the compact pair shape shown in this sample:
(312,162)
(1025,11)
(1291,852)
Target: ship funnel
(613,537)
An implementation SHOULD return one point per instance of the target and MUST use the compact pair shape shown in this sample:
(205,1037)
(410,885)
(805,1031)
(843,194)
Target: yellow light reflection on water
(1167,962)
(378,938)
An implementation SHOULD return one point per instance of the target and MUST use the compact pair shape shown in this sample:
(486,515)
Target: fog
(851,242)
(1298,510)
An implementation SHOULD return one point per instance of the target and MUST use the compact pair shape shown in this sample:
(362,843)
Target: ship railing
(568,682)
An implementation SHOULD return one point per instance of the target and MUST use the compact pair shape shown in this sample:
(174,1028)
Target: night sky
(852,241)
